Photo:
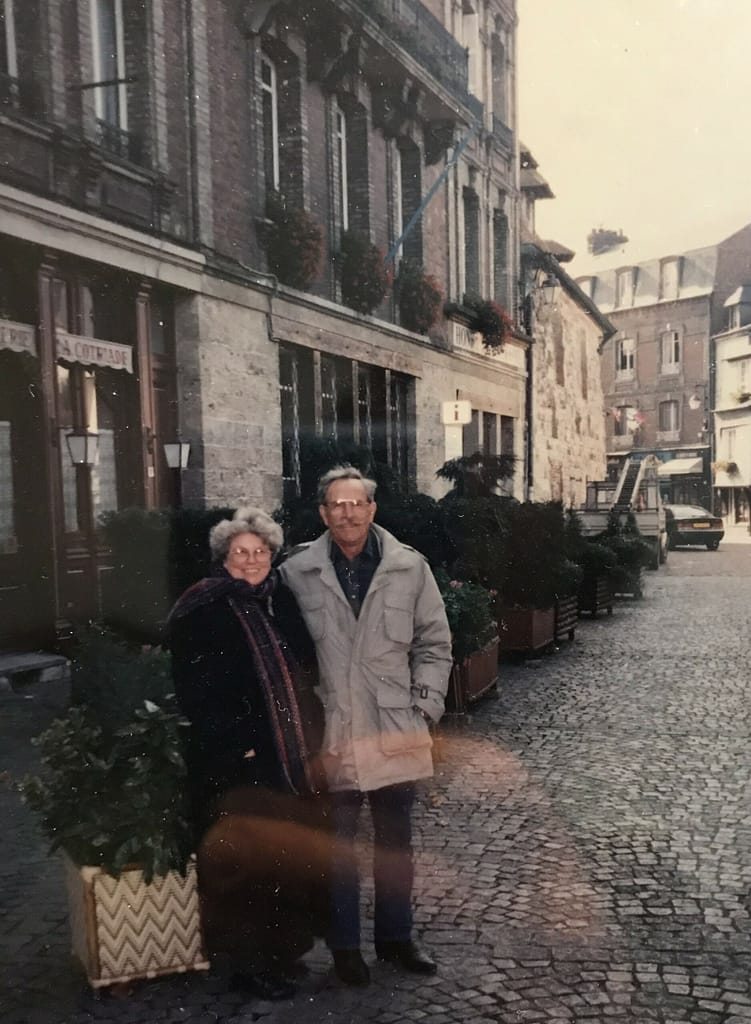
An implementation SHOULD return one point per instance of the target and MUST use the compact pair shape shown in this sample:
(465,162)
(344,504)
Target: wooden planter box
(526,629)
(123,929)
(630,584)
(566,618)
(473,678)
(595,596)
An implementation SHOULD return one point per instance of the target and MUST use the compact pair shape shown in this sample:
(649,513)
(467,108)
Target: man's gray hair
(247,519)
(344,473)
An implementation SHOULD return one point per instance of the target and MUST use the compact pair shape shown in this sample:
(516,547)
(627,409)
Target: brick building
(657,371)
(141,145)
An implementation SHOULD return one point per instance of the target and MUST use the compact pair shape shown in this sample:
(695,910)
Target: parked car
(692,524)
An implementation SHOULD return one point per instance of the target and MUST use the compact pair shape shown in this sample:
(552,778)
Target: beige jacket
(377,672)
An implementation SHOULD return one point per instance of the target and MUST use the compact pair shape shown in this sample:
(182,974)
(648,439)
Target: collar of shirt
(372,550)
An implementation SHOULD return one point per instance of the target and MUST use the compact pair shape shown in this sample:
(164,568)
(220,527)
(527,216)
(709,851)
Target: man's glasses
(348,504)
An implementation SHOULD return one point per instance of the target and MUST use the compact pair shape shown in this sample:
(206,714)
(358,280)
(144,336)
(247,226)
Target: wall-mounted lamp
(549,289)
(177,453)
(83,447)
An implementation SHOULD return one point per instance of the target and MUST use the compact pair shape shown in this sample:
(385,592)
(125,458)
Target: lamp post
(83,449)
(549,289)
(176,454)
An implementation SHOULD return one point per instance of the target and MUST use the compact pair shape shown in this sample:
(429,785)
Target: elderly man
(384,653)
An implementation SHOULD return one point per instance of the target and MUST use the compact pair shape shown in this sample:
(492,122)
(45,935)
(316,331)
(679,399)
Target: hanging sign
(453,413)
(92,352)
(18,337)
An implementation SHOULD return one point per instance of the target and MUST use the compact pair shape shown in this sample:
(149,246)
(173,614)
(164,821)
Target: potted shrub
(419,297)
(469,609)
(293,240)
(112,797)
(532,572)
(633,554)
(484,316)
(567,600)
(597,565)
(364,278)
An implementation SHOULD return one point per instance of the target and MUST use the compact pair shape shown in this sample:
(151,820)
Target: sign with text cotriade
(92,352)
(18,337)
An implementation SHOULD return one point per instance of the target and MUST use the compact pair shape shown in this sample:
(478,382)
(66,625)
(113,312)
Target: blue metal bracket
(462,145)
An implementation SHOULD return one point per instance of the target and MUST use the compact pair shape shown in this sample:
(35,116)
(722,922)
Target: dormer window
(587,285)
(670,278)
(738,306)
(625,287)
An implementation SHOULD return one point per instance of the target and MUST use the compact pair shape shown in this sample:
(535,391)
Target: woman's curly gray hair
(247,519)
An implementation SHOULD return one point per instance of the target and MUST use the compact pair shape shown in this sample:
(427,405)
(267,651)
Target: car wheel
(712,545)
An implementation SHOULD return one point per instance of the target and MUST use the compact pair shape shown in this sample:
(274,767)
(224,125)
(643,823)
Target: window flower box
(526,629)
(473,677)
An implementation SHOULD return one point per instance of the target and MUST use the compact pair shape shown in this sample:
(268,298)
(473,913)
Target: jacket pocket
(399,623)
(402,728)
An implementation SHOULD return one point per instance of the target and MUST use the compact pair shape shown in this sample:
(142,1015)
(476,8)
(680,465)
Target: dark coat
(263,853)
(218,691)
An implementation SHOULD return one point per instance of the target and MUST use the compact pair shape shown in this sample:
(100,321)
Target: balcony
(411,25)
(503,135)
(120,143)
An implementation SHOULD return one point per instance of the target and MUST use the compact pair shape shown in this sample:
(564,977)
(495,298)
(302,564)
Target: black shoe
(263,985)
(407,955)
(350,967)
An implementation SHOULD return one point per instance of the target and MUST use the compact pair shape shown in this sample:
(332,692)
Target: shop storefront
(86,401)
(684,473)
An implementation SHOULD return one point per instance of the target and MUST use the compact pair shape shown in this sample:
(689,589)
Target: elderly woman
(239,648)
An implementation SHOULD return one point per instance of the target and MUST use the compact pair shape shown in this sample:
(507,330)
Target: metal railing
(121,143)
(503,134)
(410,24)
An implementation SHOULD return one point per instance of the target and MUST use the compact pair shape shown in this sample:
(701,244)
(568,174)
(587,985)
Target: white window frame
(122,91)
(625,288)
(11,53)
(270,89)
(673,340)
(622,428)
(673,427)
(340,146)
(398,202)
(668,267)
(625,352)
(728,438)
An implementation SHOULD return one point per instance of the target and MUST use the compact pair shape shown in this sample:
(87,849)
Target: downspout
(195,213)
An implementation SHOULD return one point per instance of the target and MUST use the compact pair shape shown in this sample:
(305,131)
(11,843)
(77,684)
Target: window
(364,407)
(587,285)
(624,416)
(498,71)
(471,241)
(500,257)
(727,442)
(109,63)
(669,279)
(624,359)
(743,373)
(8,63)
(670,352)
(342,168)
(270,105)
(668,417)
(290,409)
(625,287)
(489,433)
(8,542)
(398,422)
(734,317)
(408,186)
(507,448)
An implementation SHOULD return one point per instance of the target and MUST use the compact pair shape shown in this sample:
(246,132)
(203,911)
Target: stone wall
(568,409)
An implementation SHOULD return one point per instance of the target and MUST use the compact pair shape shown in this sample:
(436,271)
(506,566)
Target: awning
(93,352)
(18,337)
(675,467)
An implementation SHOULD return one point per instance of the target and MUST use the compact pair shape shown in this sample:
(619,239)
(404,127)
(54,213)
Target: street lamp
(83,447)
(549,288)
(177,453)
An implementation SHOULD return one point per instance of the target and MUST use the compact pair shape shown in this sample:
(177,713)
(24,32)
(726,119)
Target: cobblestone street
(584,851)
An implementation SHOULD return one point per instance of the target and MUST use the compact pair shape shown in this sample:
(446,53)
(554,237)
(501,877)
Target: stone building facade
(142,144)
(569,334)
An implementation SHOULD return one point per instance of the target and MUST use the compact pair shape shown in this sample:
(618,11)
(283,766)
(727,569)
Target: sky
(638,113)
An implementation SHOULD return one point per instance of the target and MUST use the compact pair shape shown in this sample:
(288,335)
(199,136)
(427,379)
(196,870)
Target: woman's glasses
(257,554)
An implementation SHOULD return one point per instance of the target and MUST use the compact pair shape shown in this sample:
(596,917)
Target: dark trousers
(393,868)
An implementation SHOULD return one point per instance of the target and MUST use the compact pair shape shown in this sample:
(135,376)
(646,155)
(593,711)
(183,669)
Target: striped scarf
(272,663)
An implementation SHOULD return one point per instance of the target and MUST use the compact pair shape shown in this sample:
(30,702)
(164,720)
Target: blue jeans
(393,868)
